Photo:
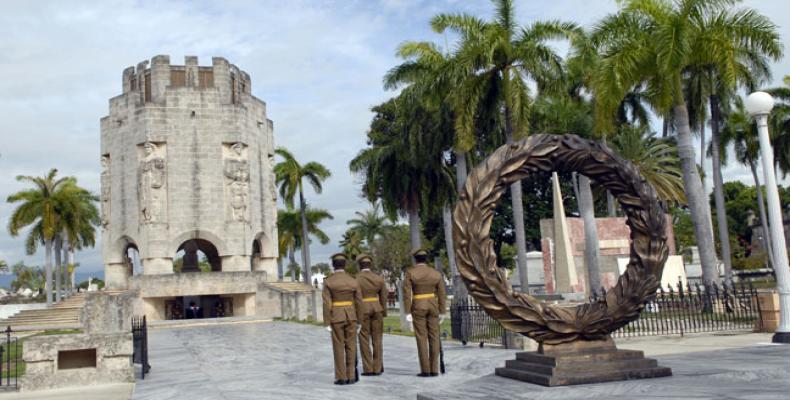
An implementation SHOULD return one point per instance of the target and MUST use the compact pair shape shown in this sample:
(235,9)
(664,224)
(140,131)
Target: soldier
(373,311)
(342,299)
(424,297)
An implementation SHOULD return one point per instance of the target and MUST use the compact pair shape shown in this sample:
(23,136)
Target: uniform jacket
(373,285)
(422,279)
(341,287)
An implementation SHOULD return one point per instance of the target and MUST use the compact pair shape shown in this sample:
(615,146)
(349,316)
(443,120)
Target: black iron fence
(140,341)
(10,361)
(682,309)
(469,322)
(676,310)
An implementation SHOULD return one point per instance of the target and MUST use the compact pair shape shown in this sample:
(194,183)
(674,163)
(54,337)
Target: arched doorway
(197,255)
(256,255)
(132,259)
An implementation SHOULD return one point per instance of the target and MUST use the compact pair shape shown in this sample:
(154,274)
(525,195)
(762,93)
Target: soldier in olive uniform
(342,299)
(424,298)
(373,311)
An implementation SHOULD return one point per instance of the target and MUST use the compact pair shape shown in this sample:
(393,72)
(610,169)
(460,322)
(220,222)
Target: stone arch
(266,243)
(190,260)
(208,236)
(119,248)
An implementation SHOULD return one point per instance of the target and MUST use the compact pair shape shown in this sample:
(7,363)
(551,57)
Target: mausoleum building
(187,188)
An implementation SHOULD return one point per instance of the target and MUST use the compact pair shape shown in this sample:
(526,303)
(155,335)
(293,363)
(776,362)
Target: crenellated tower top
(151,79)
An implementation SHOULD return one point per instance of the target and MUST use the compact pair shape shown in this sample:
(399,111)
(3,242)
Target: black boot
(423,374)
(340,382)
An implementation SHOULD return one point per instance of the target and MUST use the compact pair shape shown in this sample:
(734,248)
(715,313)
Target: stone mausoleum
(188,196)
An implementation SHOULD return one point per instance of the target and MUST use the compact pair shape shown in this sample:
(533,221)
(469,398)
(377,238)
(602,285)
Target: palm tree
(434,77)
(504,58)
(43,207)
(400,166)
(369,224)
(353,243)
(652,43)
(740,130)
(290,229)
(738,45)
(289,176)
(3,266)
(79,231)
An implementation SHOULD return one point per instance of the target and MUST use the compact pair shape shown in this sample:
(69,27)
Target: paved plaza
(280,360)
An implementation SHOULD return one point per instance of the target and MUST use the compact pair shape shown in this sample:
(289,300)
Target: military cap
(338,256)
(420,252)
(363,257)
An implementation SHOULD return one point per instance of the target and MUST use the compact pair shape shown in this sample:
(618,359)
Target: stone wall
(47,370)
(108,312)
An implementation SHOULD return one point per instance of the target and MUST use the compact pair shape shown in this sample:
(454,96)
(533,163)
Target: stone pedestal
(581,362)
(769,312)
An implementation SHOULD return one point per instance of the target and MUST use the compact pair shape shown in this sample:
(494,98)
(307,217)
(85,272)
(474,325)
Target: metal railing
(10,361)
(695,308)
(469,322)
(140,341)
(676,310)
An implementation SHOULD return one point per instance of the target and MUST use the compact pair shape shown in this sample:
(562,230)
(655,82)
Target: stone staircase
(63,315)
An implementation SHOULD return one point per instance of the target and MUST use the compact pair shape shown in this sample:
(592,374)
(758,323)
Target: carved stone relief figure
(237,178)
(152,179)
(106,185)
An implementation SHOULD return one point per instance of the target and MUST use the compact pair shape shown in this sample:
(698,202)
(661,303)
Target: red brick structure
(613,239)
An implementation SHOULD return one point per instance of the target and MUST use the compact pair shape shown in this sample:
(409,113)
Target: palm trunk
(459,288)
(665,127)
(461,172)
(305,244)
(414,229)
(763,216)
(73,275)
(48,271)
(591,248)
(58,269)
(280,272)
(292,260)
(695,196)
(611,205)
(718,188)
(517,204)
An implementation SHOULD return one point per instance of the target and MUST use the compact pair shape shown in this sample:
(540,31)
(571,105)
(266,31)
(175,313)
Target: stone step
(41,318)
(582,378)
(575,358)
(574,369)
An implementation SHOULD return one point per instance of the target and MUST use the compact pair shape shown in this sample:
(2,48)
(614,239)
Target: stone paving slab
(286,360)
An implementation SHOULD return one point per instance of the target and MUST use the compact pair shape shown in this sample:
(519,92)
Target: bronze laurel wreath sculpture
(519,312)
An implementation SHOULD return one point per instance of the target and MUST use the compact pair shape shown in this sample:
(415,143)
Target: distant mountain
(6,279)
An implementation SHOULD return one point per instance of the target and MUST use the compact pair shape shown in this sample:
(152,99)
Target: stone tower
(187,154)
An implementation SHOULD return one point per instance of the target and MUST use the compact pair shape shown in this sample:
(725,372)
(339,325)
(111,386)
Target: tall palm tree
(42,207)
(504,58)
(400,166)
(740,130)
(289,175)
(369,224)
(738,45)
(652,42)
(434,77)
(290,229)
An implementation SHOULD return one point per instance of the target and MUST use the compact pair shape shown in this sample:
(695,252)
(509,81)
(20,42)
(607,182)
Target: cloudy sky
(317,64)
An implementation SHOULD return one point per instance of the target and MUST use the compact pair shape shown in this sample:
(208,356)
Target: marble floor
(280,360)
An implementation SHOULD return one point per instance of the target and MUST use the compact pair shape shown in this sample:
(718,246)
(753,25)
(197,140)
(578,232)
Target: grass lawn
(392,325)
(17,365)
